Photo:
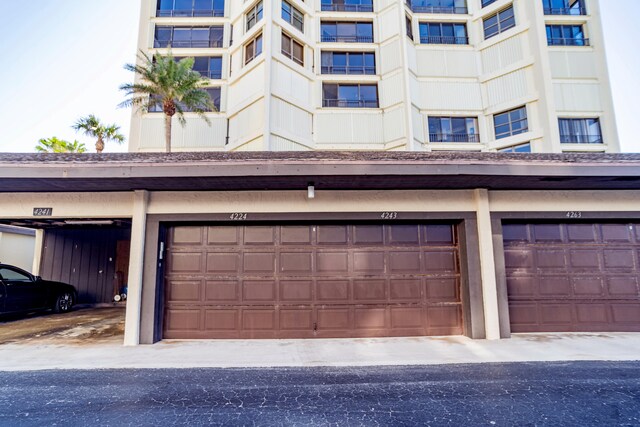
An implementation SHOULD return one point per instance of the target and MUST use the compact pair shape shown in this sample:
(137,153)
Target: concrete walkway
(329,352)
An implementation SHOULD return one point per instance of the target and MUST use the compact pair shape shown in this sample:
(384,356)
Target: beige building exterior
(389,75)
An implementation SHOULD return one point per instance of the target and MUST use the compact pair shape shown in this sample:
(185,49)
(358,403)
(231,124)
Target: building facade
(414,75)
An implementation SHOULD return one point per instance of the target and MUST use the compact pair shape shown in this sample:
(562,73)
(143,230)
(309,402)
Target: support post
(136,268)
(37,252)
(487,265)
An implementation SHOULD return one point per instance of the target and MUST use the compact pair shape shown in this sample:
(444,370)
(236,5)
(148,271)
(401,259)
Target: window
(190,8)
(409,25)
(438,6)
(252,49)
(453,129)
(188,37)
(348,63)
(486,3)
(580,131)
(293,16)
(11,274)
(511,123)
(254,15)
(214,94)
(208,66)
(499,23)
(443,33)
(350,95)
(347,5)
(522,148)
(347,32)
(564,7)
(566,35)
(292,49)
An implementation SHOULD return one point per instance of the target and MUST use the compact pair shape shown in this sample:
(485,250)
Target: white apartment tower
(415,75)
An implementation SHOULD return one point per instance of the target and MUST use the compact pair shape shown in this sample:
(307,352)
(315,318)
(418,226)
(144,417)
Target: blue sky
(63,59)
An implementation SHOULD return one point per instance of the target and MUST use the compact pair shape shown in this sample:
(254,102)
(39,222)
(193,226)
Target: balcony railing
(211,74)
(187,43)
(581,139)
(346,39)
(189,13)
(347,8)
(443,40)
(418,8)
(454,137)
(567,42)
(566,11)
(349,103)
(350,69)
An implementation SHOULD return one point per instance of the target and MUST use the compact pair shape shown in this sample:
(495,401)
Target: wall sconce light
(311,191)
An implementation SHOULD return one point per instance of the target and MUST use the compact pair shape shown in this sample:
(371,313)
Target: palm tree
(173,86)
(55,145)
(91,126)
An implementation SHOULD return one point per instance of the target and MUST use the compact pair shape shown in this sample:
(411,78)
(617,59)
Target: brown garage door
(311,281)
(573,277)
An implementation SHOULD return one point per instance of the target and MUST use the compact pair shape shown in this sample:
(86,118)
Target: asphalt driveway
(82,325)
(527,394)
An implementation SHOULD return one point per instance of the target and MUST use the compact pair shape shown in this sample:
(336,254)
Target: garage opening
(573,277)
(325,280)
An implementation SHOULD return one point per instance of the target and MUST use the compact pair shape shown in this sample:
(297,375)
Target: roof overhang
(326,170)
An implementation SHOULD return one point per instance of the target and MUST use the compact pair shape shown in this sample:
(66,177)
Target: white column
(487,265)
(37,252)
(136,268)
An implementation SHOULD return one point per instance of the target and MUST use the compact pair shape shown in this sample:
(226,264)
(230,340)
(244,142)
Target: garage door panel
(296,291)
(438,234)
(332,235)
(306,281)
(369,290)
(623,286)
(224,291)
(404,235)
(295,235)
(619,258)
(616,233)
(602,270)
(186,236)
(551,259)
(259,262)
(223,236)
(222,319)
(405,289)
(626,314)
(404,262)
(443,290)
(332,263)
(223,262)
(588,286)
(518,259)
(554,286)
(368,235)
(443,261)
(368,262)
(332,290)
(370,318)
(185,262)
(258,290)
(582,233)
(296,263)
(184,290)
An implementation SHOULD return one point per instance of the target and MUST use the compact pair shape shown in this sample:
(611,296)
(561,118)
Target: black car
(21,291)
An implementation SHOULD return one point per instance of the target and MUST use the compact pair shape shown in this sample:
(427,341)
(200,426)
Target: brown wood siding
(84,258)
(573,277)
(312,281)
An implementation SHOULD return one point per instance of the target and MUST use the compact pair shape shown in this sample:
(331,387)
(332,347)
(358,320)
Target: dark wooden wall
(85,258)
